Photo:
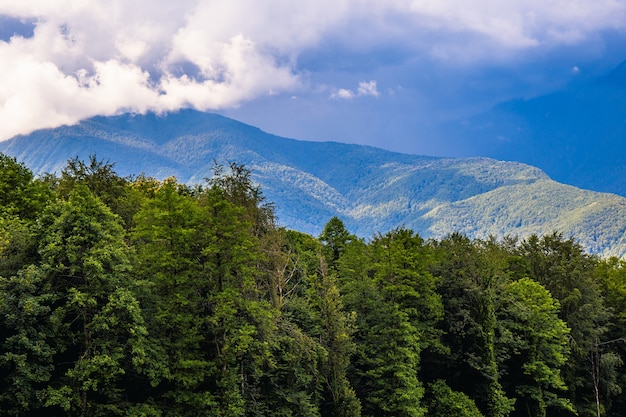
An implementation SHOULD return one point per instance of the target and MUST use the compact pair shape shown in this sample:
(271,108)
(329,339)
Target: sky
(380,73)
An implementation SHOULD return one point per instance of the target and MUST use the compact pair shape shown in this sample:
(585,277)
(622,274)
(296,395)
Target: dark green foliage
(444,402)
(607,356)
(100,178)
(237,187)
(389,299)
(28,341)
(385,369)
(168,262)
(471,276)
(18,246)
(335,333)
(335,238)
(152,298)
(400,268)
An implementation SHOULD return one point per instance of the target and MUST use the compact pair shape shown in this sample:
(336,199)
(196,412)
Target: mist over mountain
(371,189)
(577,135)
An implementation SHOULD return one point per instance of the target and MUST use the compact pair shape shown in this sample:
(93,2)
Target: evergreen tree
(335,237)
(400,267)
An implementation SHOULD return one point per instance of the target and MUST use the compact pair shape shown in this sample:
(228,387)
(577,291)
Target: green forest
(141,297)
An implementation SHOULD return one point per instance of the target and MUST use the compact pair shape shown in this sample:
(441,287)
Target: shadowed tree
(27,341)
(471,275)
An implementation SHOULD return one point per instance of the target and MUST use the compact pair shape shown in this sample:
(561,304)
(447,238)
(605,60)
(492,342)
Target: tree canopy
(145,297)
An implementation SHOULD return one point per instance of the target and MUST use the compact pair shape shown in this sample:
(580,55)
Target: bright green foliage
(567,272)
(537,348)
(444,402)
(84,259)
(355,272)
(400,267)
(20,195)
(169,250)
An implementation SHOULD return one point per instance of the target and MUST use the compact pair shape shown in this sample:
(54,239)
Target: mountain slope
(371,189)
(577,136)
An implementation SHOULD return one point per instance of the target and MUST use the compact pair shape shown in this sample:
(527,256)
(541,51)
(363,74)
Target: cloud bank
(103,57)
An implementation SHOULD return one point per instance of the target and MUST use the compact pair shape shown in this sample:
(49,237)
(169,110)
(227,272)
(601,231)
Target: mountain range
(371,189)
(577,135)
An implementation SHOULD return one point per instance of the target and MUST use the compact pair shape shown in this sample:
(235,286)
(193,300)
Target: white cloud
(343,93)
(90,57)
(365,88)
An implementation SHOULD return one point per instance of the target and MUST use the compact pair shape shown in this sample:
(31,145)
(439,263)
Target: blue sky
(381,73)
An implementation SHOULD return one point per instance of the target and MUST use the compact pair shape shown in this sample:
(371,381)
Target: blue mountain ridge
(371,189)
(576,135)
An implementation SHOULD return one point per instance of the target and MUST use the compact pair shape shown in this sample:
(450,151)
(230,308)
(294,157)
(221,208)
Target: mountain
(371,189)
(577,135)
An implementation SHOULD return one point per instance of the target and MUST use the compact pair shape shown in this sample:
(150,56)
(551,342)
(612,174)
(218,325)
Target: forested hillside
(370,189)
(144,297)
